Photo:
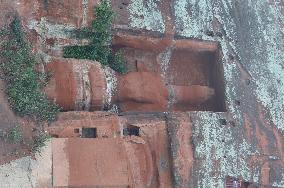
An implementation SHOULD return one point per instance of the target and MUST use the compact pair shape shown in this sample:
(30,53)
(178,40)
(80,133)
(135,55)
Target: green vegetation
(39,142)
(23,82)
(100,37)
(15,135)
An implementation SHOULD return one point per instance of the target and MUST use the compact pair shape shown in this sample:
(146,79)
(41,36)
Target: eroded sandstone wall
(250,144)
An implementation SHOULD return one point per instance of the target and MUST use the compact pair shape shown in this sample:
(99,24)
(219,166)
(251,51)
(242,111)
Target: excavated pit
(191,71)
(163,75)
(193,67)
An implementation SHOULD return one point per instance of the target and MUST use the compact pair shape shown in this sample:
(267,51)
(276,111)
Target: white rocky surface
(27,172)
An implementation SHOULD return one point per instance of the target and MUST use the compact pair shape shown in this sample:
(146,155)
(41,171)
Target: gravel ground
(27,172)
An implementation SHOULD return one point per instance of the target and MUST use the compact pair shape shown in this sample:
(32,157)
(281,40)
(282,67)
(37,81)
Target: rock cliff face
(77,84)
(140,160)
(83,85)
(221,63)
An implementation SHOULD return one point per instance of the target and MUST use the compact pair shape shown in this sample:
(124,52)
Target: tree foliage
(23,81)
(100,37)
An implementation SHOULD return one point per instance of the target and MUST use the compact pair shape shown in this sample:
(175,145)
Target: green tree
(100,38)
(23,82)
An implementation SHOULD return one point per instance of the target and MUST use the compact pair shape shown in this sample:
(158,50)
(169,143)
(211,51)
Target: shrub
(15,135)
(100,37)
(23,82)
(40,142)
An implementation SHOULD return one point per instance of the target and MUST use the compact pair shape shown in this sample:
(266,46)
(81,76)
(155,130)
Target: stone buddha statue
(86,85)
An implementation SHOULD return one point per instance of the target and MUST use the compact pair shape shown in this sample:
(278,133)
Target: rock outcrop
(140,160)
(84,85)
(77,84)
(202,56)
